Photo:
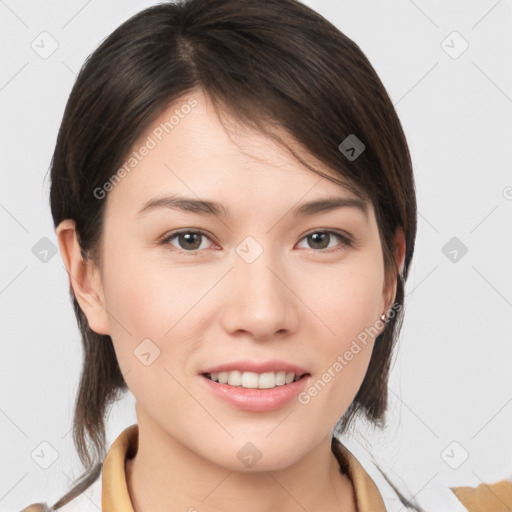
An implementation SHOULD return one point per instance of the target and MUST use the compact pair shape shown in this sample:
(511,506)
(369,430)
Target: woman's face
(262,286)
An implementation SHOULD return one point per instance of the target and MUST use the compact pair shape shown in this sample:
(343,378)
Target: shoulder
(486,497)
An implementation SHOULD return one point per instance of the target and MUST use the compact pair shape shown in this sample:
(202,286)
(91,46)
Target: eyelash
(346,242)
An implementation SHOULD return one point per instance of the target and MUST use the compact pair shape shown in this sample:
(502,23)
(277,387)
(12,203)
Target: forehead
(188,150)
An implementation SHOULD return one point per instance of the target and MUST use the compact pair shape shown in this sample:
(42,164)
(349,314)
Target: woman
(234,204)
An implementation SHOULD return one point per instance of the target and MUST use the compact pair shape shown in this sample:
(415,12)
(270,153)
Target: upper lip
(257,367)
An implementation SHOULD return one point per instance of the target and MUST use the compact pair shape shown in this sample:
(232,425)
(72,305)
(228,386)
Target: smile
(253,380)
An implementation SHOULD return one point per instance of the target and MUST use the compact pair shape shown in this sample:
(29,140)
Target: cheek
(139,303)
(348,303)
(144,305)
(143,293)
(148,300)
(346,299)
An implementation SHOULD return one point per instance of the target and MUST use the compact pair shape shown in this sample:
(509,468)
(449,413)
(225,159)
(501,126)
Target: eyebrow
(206,207)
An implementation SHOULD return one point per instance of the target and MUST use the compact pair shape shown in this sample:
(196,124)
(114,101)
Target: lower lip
(256,400)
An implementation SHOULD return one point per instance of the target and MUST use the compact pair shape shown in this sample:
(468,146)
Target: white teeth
(267,380)
(249,380)
(235,378)
(252,380)
(280,378)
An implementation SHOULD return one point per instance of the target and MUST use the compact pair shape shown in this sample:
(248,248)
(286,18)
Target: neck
(165,475)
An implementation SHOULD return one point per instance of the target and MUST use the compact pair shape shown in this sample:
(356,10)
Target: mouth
(255,392)
(253,380)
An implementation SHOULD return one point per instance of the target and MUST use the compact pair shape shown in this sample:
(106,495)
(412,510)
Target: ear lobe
(84,278)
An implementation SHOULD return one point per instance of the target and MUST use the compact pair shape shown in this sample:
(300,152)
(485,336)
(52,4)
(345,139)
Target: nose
(259,300)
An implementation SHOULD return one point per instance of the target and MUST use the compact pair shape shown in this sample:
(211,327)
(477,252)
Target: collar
(115,496)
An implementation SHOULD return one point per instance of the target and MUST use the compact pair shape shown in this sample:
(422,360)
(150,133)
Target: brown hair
(268,63)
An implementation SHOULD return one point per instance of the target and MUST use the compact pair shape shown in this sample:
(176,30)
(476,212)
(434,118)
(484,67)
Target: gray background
(452,378)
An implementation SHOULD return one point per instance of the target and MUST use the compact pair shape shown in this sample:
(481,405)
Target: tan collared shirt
(111,490)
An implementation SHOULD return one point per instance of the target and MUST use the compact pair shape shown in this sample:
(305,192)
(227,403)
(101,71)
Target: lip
(256,400)
(261,367)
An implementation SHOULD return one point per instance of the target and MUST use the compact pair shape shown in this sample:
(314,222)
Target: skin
(294,302)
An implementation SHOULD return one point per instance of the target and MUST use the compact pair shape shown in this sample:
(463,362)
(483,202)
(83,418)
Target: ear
(84,278)
(399,255)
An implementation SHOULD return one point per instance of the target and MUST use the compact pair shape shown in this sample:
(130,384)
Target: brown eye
(190,241)
(321,240)
(187,241)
